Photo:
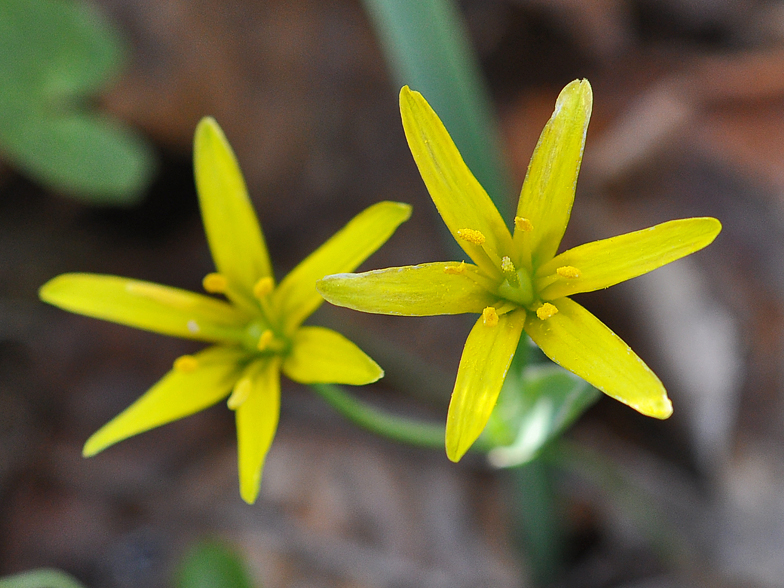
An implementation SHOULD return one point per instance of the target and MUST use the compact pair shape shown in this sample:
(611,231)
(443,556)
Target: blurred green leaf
(90,156)
(213,565)
(43,578)
(54,56)
(427,47)
(535,407)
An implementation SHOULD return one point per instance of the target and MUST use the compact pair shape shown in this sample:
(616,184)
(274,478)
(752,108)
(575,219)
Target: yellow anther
(265,339)
(214,283)
(186,364)
(471,235)
(490,316)
(523,224)
(240,393)
(569,272)
(455,269)
(263,287)
(545,311)
(507,266)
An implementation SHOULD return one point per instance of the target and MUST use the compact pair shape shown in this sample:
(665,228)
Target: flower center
(517,286)
(259,338)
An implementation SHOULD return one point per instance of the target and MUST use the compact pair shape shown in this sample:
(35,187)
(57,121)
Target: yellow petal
(487,354)
(322,356)
(257,421)
(232,229)
(145,305)
(548,191)
(607,262)
(581,343)
(458,196)
(414,290)
(179,394)
(296,298)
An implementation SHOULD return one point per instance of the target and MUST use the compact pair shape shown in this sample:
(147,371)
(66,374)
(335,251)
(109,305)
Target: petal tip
(664,409)
(249,488)
(45,291)
(208,131)
(717,226)
(576,93)
(453,454)
(456,446)
(206,124)
(91,447)
(660,408)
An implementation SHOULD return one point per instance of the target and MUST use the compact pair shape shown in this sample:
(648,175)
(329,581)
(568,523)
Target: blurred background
(688,120)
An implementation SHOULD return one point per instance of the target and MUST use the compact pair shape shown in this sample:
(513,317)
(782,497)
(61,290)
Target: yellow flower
(256,334)
(517,282)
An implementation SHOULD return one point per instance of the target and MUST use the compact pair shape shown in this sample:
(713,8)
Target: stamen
(455,269)
(490,316)
(510,272)
(507,266)
(263,287)
(545,311)
(240,393)
(523,224)
(472,236)
(265,339)
(569,272)
(186,364)
(215,283)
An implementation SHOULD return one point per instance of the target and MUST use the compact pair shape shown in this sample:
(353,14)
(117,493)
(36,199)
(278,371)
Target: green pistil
(257,333)
(517,288)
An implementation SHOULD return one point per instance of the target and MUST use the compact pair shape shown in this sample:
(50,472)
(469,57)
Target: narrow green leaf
(428,48)
(89,156)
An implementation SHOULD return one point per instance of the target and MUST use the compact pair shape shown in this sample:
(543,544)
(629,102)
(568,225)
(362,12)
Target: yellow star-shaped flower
(517,282)
(256,334)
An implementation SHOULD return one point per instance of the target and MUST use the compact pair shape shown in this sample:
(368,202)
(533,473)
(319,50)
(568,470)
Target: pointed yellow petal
(458,196)
(233,231)
(414,290)
(322,356)
(487,354)
(296,298)
(181,392)
(607,262)
(581,343)
(548,191)
(145,305)
(257,421)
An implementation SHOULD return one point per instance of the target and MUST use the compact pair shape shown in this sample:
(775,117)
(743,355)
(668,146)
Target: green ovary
(521,293)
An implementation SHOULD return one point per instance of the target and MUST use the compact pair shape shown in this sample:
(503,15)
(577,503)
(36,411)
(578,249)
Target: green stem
(43,578)
(540,530)
(377,421)
(402,429)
